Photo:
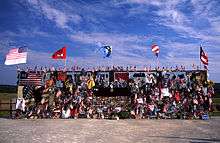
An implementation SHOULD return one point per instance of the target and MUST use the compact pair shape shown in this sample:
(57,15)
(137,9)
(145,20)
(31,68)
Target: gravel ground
(102,131)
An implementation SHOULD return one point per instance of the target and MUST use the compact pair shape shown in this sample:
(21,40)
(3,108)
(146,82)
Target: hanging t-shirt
(149,79)
(66,113)
(90,83)
(62,76)
(20,104)
(165,92)
(140,101)
(118,109)
(177,96)
(59,83)
(151,107)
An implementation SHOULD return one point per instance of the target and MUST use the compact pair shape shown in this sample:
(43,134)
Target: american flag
(31,78)
(28,92)
(16,56)
(203,56)
(155,49)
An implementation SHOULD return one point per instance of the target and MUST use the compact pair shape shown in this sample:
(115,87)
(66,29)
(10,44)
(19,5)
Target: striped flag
(30,78)
(203,56)
(28,92)
(16,56)
(155,49)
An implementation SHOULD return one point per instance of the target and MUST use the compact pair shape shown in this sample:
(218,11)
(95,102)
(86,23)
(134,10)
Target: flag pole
(27,55)
(200,65)
(158,62)
(200,57)
(65,60)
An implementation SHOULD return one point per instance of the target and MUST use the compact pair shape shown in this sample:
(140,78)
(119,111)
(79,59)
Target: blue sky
(130,26)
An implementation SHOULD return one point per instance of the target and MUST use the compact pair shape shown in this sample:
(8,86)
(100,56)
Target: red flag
(155,49)
(60,54)
(203,56)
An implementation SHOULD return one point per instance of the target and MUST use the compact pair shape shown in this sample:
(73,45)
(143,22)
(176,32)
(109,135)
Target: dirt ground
(102,131)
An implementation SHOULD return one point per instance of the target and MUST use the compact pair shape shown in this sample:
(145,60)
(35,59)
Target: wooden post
(10,108)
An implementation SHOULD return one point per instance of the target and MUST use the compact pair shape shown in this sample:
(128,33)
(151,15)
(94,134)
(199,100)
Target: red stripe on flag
(155,49)
(203,57)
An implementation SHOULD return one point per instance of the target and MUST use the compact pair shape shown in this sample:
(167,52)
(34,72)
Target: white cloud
(108,38)
(55,15)
(145,2)
(184,23)
(172,16)
(34,32)
(61,18)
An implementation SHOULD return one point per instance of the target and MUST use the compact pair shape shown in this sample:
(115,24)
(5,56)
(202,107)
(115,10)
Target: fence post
(10,108)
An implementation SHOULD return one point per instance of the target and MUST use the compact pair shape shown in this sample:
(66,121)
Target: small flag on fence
(16,56)
(60,54)
(155,49)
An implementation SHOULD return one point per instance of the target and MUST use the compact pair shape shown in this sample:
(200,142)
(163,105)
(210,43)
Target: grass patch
(216,100)
(4,113)
(7,96)
(217,95)
(8,89)
(214,113)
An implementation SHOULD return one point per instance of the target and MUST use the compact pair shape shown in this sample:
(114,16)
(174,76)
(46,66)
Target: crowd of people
(159,94)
